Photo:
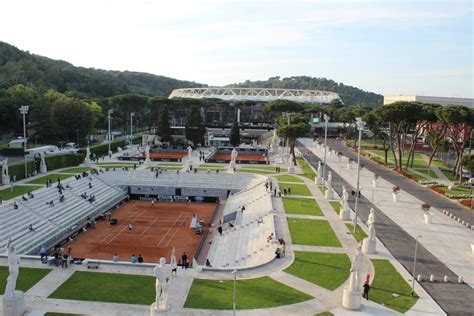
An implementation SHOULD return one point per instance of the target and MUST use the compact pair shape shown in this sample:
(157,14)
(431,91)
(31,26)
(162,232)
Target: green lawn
(205,169)
(322,188)
(296,189)
(308,172)
(18,190)
(301,206)
(288,178)
(328,270)
(324,314)
(312,232)
(26,278)
(107,287)
(387,282)
(336,205)
(213,165)
(264,172)
(359,234)
(76,170)
(250,294)
(459,191)
(116,163)
(54,177)
(263,167)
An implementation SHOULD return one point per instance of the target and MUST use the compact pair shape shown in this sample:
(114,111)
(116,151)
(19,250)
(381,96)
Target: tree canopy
(292,127)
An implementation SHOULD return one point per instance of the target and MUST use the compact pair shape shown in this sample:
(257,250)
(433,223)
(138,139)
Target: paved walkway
(453,297)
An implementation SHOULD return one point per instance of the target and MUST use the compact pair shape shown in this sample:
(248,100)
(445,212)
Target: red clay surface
(240,156)
(156,230)
(166,154)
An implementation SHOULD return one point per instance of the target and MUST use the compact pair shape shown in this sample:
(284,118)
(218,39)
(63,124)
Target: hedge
(52,162)
(7,151)
(103,149)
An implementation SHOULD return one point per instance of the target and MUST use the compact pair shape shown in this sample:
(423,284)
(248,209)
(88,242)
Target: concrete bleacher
(245,244)
(51,223)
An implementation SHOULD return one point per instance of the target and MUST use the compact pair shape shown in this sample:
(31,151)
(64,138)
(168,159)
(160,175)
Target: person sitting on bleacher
(30,195)
(24,198)
(270,237)
(61,198)
(15,205)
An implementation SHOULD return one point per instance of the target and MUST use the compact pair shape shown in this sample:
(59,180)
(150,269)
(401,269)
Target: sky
(387,47)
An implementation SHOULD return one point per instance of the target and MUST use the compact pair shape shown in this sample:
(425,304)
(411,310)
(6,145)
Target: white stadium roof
(256,94)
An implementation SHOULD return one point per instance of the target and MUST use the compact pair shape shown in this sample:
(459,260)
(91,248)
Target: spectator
(140,258)
(184,261)
(42,253)
(15,205)
(31,228)
(208,263)
(366,291)
(219,229)
(115,258)
(133,259)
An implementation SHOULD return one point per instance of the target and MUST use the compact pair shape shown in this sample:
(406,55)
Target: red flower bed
(436,189)
(466,202)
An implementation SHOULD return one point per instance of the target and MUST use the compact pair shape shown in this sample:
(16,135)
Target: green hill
(20,67)
(349,95)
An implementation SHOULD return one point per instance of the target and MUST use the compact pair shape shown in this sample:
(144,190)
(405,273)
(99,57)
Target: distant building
(427,99)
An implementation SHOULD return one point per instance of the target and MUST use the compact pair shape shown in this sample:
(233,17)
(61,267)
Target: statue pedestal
(14,306)
(329,194)
(351,300)
(232,165)
(189,162)
(318,180)
(345,214)
(369,246)
(155,310)
(5,180)
(43,169)
(291,170)
(147,161)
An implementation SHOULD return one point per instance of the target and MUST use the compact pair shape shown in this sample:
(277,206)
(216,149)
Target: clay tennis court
(168,154)
(240,156)
(156,230)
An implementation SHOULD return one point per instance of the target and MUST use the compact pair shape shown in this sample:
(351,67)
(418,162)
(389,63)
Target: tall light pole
(131,129)
(110,136)
(24,111)
(360,126)
(326,120)
(234,272)
(414,266)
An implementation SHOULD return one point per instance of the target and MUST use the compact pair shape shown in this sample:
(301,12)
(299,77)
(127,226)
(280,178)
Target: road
(454,298)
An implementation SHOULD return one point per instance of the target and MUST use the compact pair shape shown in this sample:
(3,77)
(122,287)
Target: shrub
(7,151)
(103,149)
(63,160)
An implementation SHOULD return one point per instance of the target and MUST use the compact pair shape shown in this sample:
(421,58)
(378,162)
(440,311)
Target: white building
(428,99)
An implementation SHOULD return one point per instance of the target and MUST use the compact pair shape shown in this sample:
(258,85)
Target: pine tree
(235,134)
(194,129)
(164,128)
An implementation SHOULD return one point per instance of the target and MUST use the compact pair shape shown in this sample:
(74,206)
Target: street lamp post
(131,129)
(24,111)
(110,136)
(234,272)
(414,266)
(326,120)
(360,126)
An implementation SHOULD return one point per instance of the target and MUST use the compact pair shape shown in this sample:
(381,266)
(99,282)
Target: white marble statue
(43,167)
(320,168)
(5,175)
(147,154)
(351,298)
(87,160)
(193,221)
(371,224)
(369,243)
(233,155)
(329,180)
(190,152)
(13,268)
(345,195)
(161,272)
(173,262)
(345,212)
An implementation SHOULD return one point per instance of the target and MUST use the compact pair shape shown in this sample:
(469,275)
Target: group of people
(61,257)
(133,258)
(202,155)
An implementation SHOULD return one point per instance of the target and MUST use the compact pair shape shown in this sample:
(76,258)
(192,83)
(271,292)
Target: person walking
(184,261)
(366,291)
(43,253)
